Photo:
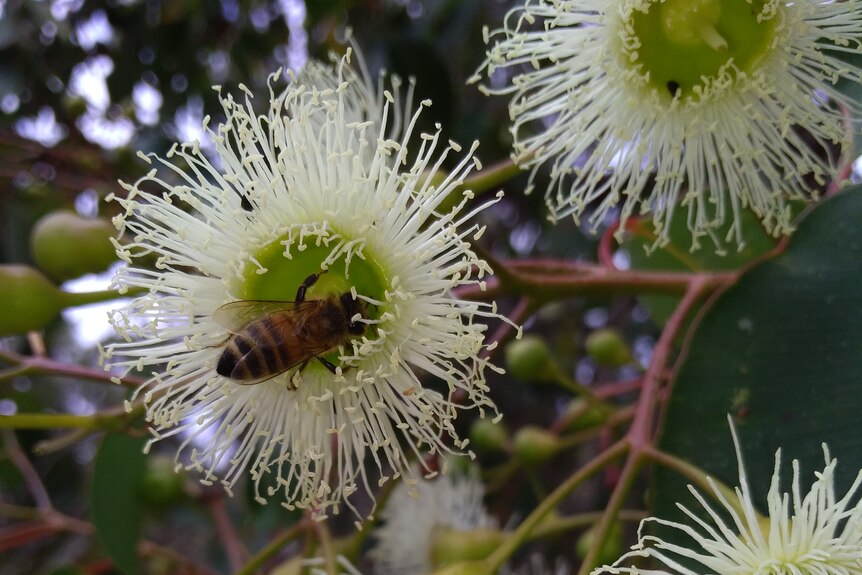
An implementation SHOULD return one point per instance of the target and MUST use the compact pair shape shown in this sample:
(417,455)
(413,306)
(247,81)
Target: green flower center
(284,275)
(686,45)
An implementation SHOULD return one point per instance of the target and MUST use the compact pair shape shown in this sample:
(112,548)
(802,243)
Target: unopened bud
(607,347)
(67,246)
(161,485)
(534,445)
(489,437)
(529,359)
(611,547)
(30,300)
(581,414)
(451,546)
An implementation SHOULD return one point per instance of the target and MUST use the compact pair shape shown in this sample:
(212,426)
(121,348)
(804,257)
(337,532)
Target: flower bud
(489,437)
(30,300)
(67,246)
(161,485)
(534,445)
(611,547)
(607,347)
(582,415)
(451,546)
(529,359)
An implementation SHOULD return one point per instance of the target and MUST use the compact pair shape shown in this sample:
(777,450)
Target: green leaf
(781,351)
(116,506)
(677,255)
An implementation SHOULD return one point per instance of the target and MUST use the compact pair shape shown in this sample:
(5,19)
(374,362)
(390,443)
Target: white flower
(317,566)
(413,516)
(817,533)
(719,99)
(322,182)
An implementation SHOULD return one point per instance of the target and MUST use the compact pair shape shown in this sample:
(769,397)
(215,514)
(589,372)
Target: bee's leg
(327,364)
(307,283)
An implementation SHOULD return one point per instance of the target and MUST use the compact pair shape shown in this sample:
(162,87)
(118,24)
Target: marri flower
(332,183)
(318,566)
(813,533)
(432,524)
(714,106)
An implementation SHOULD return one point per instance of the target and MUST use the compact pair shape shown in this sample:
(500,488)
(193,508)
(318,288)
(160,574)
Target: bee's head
(352,307)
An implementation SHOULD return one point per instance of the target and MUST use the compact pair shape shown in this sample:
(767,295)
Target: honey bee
(270,337)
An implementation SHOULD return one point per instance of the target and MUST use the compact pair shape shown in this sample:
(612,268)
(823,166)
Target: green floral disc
(284,275)
(683,42)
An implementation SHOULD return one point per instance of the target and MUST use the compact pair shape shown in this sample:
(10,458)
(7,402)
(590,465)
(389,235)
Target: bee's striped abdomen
(253,354)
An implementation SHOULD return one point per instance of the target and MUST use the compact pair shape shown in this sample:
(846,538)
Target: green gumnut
(67,246)
(611,547)
(534,445)
(489,437)
(161,486)
(582,415)
(30,300)
(607,347)
(529,359)
(452,546)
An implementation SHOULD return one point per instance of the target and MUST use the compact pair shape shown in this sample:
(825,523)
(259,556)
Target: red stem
(37,365)
(641,435)
(237,554)
(28,472)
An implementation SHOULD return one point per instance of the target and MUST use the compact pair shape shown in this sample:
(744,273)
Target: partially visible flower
(713,105)
(317,566)
(423,525)
(330,181)
(818,533)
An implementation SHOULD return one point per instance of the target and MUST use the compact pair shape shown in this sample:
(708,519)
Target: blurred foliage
(143,72)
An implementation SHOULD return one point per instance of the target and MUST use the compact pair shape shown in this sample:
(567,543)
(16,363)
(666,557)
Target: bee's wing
(295,331)
(235,315)
(284,332)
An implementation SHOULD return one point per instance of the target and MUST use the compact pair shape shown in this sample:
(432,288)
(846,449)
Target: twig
(496,559)
(558,525)
(237,554)
(52,522)
(273,547)
(589,280)
(615,388)
(34,365)
(115,419)
(325,539)
(641,432)
(28,472)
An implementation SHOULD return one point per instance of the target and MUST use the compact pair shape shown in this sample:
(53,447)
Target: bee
(270,337)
